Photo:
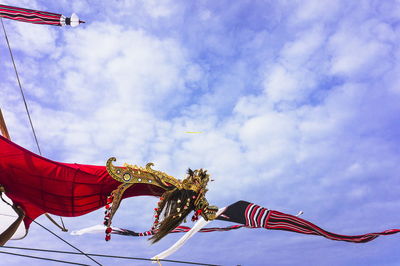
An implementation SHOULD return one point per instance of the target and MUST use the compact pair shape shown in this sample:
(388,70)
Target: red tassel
(195,217)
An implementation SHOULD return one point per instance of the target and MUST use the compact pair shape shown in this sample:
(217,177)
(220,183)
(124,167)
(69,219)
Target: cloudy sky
(297,102)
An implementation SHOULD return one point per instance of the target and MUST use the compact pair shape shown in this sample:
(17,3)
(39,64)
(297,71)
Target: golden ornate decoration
(185,195)
(138,175)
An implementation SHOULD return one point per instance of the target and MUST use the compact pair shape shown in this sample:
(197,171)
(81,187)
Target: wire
(20,87)
(65,241)
(42,258)
(109,256)
(51,232)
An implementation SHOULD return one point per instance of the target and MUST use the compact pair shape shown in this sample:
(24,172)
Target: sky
(297,103)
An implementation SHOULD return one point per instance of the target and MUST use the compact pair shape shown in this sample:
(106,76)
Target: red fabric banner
(40,185)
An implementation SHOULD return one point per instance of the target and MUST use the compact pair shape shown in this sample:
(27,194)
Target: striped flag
(254,216)
(38,17)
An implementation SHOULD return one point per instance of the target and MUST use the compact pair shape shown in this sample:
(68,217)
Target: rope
(28,113)
(63,225)
(20,87)
(51,232)
(54,222)
(108,256)
(42,258)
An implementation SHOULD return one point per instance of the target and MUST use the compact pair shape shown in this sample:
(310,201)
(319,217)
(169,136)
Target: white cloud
(137,69)
(299,51)
(353,53)
(317,11)
(158,9)
(282,84)
(24,36)
(268,137)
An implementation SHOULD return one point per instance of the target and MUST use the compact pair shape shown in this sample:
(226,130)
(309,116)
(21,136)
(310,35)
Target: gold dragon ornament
(179,198)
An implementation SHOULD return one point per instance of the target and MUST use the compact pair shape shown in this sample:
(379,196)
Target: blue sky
(297,102)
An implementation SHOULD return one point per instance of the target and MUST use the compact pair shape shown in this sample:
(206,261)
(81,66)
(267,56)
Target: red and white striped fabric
(282,221)
(37,17)
(259,217)
(256,216)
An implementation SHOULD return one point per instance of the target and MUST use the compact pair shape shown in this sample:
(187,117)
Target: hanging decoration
(38,17)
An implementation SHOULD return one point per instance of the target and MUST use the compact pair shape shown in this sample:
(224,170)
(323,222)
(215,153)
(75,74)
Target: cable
(42,258)
(20,87)
(65,241)
(108,256)
(51,232)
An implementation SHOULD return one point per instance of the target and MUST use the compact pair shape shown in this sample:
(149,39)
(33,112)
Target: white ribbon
(175,247)
(89,230)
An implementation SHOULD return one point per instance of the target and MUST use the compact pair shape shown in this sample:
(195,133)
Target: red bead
(108,230)
(108,237)
(156,209)
(107,206)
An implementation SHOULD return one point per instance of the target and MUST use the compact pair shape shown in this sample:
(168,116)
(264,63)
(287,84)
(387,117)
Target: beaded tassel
(107,221)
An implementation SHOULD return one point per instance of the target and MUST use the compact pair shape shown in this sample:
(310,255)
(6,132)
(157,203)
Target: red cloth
(40,185)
